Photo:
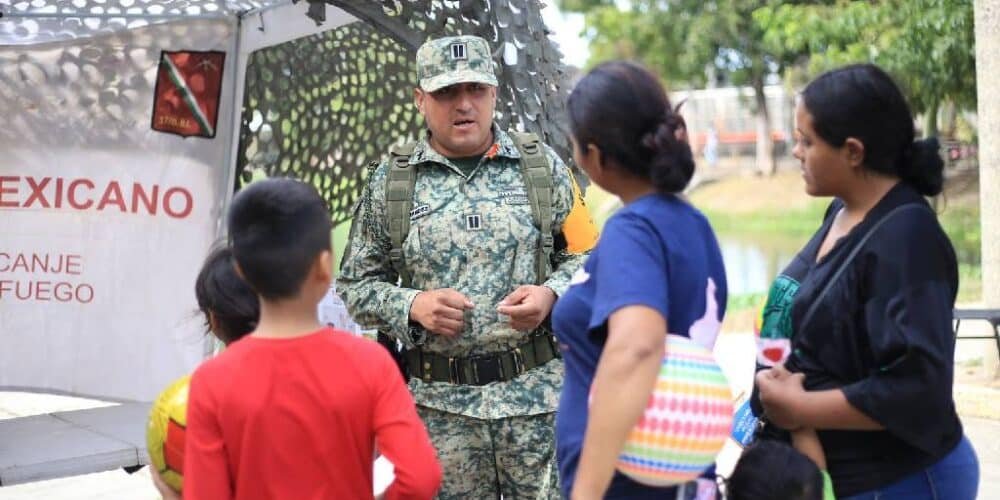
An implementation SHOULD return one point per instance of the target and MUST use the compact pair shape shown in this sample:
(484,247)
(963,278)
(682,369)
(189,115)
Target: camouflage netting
(319,108)
(322,107)
(167,8)
(44,21)
(102,93)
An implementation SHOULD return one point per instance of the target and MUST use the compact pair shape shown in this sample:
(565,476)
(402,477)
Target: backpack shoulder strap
(538,183)
(400,182)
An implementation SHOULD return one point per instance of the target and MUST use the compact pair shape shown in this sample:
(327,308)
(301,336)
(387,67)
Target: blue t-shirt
(659,252)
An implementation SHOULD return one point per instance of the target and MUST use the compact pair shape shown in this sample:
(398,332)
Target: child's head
(620,117)
(770,470)
(230,307)
(280,235)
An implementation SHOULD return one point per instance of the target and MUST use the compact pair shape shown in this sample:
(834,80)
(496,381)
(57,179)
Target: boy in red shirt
(294,410)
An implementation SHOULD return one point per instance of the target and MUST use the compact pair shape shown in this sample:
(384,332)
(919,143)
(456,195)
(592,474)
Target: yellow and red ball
(165,432)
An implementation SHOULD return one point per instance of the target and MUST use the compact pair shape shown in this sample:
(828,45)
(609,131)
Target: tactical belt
(539,349)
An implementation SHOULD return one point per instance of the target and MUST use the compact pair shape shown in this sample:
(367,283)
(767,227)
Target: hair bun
(651,140)
(672,162)
(622,109)
(664,131)
(925,146)
(922,167)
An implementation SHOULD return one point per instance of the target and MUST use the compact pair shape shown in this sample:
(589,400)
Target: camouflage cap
(455,59)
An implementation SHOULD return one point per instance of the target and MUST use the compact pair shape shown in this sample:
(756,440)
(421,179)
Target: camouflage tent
(101,173)
(322,107)
(322,101)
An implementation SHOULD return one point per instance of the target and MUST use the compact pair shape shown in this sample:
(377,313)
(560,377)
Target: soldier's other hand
(441,311)
(527,306)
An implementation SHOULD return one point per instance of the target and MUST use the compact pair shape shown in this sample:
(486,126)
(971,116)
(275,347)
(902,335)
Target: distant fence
(721,122)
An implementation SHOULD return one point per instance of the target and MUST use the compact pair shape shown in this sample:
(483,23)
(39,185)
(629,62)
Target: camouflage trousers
(484,459)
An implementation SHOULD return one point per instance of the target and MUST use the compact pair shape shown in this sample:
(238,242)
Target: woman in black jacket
(867,303)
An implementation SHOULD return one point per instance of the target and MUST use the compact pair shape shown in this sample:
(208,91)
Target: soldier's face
(459,117)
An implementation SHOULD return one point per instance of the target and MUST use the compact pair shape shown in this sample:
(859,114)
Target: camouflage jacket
(485,260)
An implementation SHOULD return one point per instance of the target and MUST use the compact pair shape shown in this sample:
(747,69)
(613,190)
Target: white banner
(105,222)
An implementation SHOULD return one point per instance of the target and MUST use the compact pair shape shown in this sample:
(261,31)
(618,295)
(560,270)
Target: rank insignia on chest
(473,222)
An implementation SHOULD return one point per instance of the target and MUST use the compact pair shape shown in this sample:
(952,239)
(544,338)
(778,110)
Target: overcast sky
(566,30)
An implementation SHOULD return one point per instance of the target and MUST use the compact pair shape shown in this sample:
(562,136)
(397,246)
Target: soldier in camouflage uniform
(485,370)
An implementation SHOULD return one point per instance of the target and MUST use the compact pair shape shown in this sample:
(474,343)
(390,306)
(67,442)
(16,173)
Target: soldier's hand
(527,306)
(441,311)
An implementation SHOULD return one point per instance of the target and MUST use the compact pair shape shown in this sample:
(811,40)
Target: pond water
(752,262)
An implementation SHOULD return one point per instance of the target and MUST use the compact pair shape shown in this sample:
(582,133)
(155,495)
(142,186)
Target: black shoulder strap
(850,257)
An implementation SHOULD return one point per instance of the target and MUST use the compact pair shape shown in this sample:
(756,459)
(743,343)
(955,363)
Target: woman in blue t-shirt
(656,269)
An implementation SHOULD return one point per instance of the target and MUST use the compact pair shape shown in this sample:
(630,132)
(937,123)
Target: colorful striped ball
(687,420)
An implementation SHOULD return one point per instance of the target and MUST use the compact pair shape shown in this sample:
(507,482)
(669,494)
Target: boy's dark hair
(621,108)
(277,228)
(222,292)
(863,102)
(772,470)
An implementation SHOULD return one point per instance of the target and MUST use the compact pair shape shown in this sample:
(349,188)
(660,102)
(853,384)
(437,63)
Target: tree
(927,45)
(680,39)
(933,54)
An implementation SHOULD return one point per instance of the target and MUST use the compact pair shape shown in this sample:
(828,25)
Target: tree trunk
(931,119)
(949,117)
(765,161)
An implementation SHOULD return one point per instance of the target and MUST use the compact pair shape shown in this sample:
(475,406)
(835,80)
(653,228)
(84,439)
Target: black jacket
(883,335)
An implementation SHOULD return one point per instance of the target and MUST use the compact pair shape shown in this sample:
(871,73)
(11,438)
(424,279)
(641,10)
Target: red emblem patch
(188,86)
